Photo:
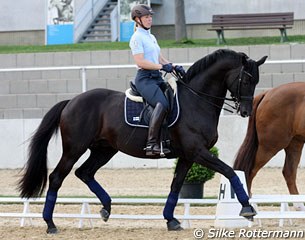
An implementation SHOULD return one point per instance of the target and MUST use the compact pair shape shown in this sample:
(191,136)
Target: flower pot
(191,190)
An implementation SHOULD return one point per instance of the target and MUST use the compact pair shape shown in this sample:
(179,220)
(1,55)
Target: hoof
(251,219)
(52,230)
(105,214)
(248,212)
(174,225)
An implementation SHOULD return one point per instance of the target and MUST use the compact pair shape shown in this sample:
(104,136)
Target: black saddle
(139,113)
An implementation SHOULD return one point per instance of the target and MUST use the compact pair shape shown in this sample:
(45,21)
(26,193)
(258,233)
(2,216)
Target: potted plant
(195,179)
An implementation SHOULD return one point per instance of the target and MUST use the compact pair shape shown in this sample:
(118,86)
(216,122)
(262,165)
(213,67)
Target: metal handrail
(83,69)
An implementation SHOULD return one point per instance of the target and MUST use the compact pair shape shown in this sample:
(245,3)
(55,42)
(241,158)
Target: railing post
(26,209)
(284,208)
(186,223)
(92,8)
(85,210)
(84,80)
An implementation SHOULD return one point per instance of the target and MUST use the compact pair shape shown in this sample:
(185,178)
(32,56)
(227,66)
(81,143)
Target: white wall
(22,15)
(201,11)
(14,133)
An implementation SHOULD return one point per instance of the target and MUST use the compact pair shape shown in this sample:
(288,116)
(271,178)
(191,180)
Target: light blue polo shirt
(142,41)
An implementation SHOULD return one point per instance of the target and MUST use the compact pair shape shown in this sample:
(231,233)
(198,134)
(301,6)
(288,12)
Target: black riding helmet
(140,11)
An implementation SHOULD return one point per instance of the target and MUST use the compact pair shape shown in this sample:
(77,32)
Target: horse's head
(242,81)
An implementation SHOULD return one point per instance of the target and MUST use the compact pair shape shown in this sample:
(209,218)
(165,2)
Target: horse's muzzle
(245,110)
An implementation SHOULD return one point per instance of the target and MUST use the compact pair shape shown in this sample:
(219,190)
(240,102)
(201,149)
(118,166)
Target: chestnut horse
(95,120)
(277,122)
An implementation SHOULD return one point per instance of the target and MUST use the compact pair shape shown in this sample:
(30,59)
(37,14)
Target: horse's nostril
(245,114)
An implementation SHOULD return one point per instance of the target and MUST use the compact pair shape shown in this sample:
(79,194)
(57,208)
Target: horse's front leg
(207,159)
(180,172)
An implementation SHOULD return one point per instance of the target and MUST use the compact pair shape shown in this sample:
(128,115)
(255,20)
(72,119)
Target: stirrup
(153,149)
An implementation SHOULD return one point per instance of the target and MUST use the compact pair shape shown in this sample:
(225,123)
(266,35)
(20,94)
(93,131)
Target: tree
(180,26)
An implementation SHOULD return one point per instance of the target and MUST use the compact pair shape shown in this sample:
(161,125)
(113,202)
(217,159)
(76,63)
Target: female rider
(149,81)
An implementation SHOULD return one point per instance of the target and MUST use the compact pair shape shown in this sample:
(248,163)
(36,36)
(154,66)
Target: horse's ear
(261,61)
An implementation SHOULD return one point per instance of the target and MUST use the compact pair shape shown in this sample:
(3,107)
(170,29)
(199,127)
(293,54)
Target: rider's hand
(167,68)
(180,70)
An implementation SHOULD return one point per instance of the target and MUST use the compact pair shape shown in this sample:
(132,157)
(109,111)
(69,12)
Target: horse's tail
(34,179)
(245,157)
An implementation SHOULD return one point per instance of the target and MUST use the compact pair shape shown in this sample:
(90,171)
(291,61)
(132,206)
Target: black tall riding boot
(153,141)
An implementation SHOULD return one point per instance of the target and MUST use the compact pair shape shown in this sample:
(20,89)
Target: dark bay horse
(277,122)
(95,120)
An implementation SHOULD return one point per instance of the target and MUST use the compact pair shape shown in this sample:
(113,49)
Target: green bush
(198,173)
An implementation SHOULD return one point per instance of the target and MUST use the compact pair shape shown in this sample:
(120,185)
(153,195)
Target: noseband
(238,98)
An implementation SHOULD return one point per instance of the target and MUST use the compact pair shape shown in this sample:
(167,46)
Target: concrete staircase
(100,28)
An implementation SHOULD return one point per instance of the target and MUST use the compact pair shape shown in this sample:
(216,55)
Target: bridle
(238,96)
(234,98)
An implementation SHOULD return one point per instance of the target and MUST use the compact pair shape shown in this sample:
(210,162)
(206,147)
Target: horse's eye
(246,82)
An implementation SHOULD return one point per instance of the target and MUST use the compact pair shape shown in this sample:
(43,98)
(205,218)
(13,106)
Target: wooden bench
(281,21)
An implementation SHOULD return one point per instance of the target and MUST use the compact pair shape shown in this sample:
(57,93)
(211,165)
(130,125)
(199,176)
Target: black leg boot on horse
(153,146)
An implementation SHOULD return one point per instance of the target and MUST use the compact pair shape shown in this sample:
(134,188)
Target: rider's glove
(167,68)
(180,70)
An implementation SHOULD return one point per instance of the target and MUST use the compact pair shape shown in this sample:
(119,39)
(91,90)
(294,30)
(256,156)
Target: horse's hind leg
(263,155)
(56,179)
(99,157)
(292,159)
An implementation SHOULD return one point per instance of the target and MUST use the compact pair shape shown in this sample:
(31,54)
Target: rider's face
(147,21)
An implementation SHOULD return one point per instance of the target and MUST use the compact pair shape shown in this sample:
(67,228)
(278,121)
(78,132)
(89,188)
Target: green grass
(163,44)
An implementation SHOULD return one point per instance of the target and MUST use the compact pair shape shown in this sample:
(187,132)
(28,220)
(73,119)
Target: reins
(235,99)
(202,95)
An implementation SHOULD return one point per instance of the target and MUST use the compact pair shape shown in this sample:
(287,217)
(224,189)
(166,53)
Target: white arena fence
(282,214)
(84,68)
